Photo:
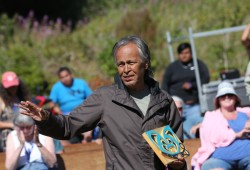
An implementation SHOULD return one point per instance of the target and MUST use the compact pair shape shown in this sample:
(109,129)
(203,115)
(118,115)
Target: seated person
(12,91)
(224,133)
(180,80)
(195,128)
(26,149)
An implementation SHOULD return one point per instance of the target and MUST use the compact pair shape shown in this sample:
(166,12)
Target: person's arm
(54,99)
(87,89)
(12,153)
(204,72)
(82,119)
(245,36)
(55,108)
(204,75)
(245,39)
(194,128)
(245,132)
(6,125)
(47,150)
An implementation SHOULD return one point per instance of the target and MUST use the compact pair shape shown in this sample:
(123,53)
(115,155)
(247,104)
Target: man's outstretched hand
(32,110)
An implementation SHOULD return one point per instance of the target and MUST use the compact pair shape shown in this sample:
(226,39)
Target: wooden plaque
(165,144)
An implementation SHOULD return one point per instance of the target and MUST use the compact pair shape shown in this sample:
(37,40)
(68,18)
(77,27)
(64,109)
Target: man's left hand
(178,164)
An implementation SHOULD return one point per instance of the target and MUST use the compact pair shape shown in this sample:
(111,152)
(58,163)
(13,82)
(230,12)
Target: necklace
(188,66)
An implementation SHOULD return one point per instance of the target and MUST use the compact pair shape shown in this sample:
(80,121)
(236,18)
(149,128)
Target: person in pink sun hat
(12,91)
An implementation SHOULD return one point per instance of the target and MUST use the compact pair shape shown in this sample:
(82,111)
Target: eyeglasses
(227,96)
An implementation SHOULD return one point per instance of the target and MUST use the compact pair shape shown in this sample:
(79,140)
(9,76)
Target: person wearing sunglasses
(224,133)
(195,128)
(26,149)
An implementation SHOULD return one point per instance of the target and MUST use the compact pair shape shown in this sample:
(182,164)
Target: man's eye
(131,63)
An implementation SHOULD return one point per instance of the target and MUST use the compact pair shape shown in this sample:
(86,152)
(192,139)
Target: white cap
(224,88)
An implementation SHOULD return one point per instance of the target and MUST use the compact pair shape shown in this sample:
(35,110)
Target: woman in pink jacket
(225,134)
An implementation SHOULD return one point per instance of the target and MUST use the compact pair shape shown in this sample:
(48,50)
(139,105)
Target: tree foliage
(35,50)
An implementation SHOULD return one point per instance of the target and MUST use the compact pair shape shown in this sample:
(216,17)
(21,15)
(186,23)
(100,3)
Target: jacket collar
(122,96)
(152,84)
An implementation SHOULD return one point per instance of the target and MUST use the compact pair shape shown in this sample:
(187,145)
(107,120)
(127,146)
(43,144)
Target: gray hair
(23,120)
(178,99)
(142,48)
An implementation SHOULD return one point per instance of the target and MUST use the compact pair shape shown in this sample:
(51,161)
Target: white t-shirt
(30,152)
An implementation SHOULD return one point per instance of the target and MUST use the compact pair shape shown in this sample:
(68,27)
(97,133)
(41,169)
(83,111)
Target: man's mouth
(127,78)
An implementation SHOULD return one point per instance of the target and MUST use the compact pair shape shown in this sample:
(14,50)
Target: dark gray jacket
(122,124)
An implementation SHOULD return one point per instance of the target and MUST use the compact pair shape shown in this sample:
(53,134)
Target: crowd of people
(118,114)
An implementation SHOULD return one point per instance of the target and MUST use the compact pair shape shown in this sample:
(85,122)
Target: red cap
(9,79)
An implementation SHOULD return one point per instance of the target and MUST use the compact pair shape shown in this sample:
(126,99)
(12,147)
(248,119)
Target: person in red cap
(12,91)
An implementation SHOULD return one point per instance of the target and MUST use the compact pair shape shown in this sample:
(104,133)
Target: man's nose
(126,68)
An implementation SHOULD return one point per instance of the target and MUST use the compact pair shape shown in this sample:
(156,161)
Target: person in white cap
(12,91)
(224,133)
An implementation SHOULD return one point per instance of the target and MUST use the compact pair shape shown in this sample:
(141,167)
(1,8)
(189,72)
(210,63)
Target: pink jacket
(214,132)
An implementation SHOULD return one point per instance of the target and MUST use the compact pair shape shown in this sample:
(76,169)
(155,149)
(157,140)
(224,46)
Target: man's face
(185,56)
(130,67)
(66,78)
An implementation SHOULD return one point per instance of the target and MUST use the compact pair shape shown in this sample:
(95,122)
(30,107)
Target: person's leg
(187,124)
(58,146)
(192,116)
(244,163)
(213,163)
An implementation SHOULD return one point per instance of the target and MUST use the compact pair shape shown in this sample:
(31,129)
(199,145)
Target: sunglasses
(227,95)
(180,109)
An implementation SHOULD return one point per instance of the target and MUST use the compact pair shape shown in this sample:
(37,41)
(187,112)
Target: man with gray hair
(123,111)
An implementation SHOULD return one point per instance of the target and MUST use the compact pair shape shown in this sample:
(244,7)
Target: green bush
(36,56)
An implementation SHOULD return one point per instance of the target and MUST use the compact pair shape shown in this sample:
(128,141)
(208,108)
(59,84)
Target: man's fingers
(24,108)
(180,157)
(32,104)
(26,113)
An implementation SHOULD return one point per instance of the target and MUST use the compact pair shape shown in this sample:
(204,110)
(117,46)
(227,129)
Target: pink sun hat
(10,79)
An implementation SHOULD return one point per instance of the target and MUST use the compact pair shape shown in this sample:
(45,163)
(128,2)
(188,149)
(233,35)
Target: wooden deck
(90,156)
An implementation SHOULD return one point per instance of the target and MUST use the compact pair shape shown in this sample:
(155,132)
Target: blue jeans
(191,116)
(242,164)
(34,165)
